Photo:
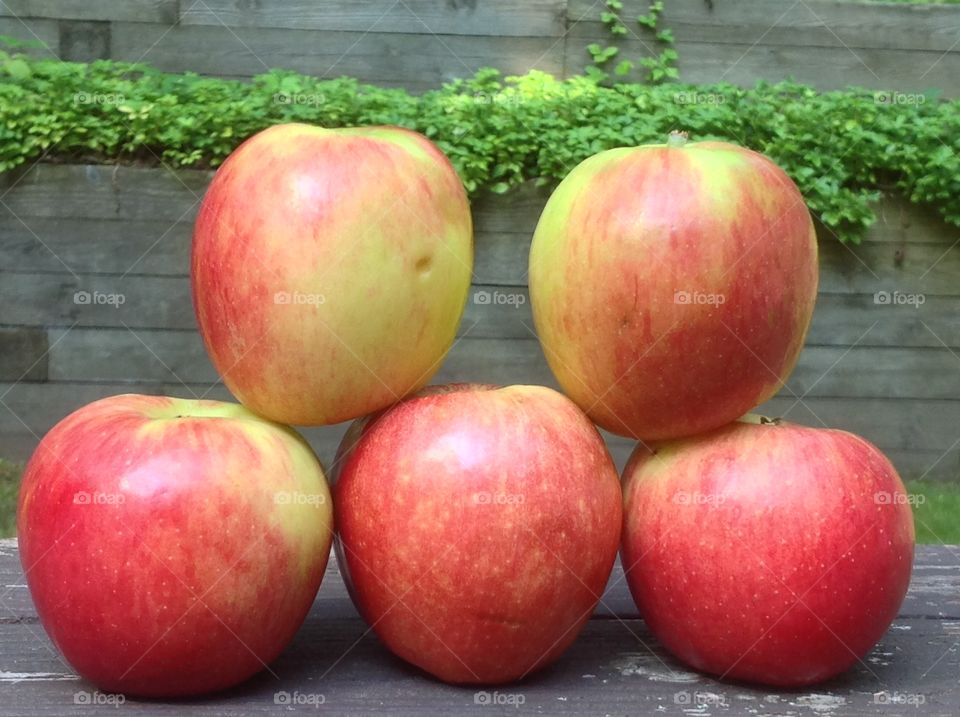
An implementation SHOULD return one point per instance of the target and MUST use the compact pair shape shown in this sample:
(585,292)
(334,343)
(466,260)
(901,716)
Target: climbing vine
(659,67)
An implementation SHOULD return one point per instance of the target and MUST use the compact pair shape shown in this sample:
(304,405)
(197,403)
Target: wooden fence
(888,369)
(420,43)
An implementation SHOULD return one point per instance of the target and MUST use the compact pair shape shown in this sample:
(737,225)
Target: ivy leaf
(17,68)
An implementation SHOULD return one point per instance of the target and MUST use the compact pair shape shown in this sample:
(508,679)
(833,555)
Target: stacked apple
(174,546)
(672,287)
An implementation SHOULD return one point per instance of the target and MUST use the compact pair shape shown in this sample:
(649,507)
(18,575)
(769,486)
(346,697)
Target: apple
(477,527)
(672,285)
(330,268)
(172,547)
(767,552)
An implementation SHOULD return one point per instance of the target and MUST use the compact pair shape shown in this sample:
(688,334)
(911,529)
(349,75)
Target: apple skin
(724,532)
(620,241)
(172,547)
(477,528)
(330,269)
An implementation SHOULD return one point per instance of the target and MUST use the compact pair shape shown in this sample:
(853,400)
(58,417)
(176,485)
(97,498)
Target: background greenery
(9,486)
(842,148)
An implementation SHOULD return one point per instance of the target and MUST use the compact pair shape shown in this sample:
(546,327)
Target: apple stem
(760,420)
(677,138)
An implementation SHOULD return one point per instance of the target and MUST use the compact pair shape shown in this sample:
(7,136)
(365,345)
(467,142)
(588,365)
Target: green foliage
(935,514)
(842,148)
(9,488)
(660,67)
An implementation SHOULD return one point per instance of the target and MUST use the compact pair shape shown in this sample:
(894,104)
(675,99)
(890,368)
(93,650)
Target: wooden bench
(336,666)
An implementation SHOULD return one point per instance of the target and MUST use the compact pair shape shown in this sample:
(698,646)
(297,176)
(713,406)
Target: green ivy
(660,67)
(842,148)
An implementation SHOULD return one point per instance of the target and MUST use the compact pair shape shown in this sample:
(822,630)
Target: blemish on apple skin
(423,264)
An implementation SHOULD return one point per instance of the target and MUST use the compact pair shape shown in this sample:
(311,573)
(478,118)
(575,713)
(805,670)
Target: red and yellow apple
(477,527)
(770,553)
(672,285)
(172,547)
(330,269)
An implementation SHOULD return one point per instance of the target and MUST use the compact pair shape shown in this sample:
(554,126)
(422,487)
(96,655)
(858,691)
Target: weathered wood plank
(534,18)
(811,24)
(148,356)
(163,11)
(105,355)
(502,260)
(23,354)
(417,62)
(848,319)
(906,276)
(84,40)
(882,266)
(105,192)
(102,219)
(919,435)
(901,425)
(95,300)
(148,194)
(826,68)
(493,311)
(163,302)
(44,35)
(154,246)
(95,246)
(615,667)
